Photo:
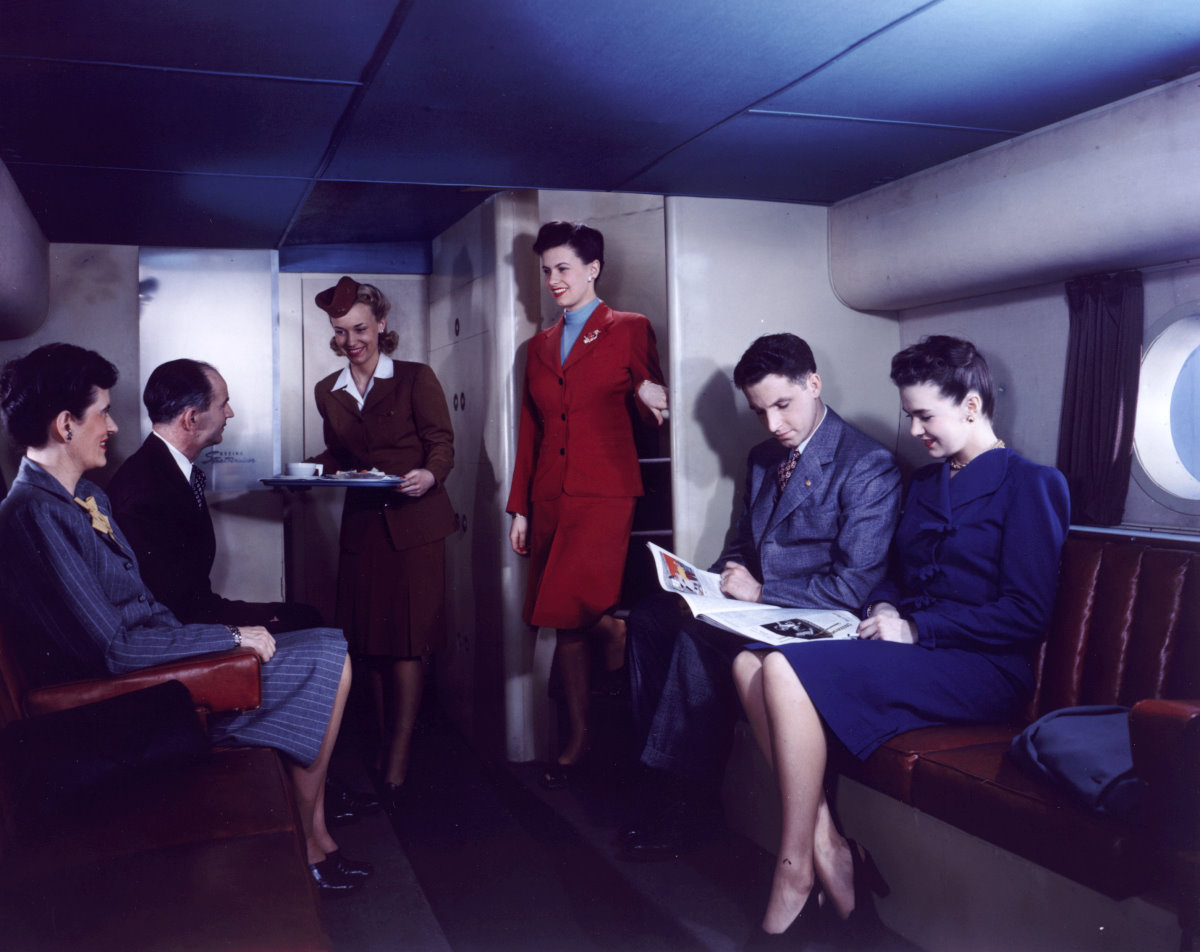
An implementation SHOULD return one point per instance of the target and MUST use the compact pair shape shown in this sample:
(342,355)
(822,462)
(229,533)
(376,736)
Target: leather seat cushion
(982,790)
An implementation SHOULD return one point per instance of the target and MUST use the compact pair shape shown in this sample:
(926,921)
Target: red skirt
(577,549)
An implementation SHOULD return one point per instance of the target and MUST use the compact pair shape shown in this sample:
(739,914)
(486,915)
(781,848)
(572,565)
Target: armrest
(226,681)
(1166,754)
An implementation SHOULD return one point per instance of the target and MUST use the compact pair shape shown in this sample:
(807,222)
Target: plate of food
(359,477)
(364,474)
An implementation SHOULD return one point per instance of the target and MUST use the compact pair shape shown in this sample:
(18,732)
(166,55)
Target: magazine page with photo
(771,624)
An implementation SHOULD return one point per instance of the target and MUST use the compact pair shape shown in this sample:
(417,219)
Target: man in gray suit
(821,503)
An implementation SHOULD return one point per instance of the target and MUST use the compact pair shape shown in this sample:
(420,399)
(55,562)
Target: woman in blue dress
(73,589)
(949,640)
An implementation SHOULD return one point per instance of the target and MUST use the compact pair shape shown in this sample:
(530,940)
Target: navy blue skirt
(869,691)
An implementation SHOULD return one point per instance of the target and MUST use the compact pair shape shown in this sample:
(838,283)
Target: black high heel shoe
(802,930)
(868,883)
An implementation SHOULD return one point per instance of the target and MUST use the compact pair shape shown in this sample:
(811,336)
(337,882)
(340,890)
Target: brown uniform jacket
(404,424)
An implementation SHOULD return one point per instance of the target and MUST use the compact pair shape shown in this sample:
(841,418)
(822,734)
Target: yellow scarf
(99,520)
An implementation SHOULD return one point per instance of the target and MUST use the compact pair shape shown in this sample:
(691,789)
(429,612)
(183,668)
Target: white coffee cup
(305,469)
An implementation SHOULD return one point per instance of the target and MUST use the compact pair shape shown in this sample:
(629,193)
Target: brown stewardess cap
(337,300)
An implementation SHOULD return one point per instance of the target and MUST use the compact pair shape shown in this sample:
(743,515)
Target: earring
(68,434)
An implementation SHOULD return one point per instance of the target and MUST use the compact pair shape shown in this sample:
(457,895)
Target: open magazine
(753,620)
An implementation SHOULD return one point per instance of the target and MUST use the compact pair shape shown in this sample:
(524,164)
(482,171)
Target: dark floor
(477,857)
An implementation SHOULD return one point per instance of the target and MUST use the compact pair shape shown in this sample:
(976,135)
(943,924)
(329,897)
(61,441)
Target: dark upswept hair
(36,388)
(583,239)
(955,366)
(380,307)
(783,354)
(176,386)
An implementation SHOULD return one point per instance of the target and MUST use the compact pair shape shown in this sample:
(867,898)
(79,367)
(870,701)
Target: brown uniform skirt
(577,548)
(390,602)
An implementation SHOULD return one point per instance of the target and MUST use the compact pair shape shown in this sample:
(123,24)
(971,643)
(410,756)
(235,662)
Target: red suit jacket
(576,434)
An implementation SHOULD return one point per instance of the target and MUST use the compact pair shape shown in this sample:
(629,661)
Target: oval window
(1166,436)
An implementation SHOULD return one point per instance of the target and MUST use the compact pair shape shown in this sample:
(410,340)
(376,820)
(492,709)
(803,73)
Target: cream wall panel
(465,372)
(24,265)
(1110,189)
(484,674)
(463,252)
(459,314)
(93,303)
(738,270)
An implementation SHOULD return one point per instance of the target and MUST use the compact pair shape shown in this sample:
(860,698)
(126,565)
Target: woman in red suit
(576,476)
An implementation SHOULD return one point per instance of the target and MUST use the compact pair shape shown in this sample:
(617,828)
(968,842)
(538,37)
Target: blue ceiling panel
(134,119)
(127,208)
(379,120)
(355,212)
(308,38)
(768,157)
(521,89)
(1006,64)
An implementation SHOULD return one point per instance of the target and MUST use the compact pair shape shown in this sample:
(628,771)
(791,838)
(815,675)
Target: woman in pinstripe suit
(73,588)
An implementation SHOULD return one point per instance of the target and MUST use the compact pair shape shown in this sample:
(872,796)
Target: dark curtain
(1095,442)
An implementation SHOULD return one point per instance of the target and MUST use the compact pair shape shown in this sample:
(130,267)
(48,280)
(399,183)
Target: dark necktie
(786,468)
(197,483)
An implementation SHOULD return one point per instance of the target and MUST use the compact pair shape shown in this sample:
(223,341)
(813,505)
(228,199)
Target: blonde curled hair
(380,307)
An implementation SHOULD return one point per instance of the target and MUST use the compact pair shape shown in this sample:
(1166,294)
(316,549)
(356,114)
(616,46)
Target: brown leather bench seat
(207,855)
(1126,631)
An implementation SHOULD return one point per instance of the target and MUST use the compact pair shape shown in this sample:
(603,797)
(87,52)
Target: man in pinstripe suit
(821,503)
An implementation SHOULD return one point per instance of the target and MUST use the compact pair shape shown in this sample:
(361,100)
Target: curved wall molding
(24,265)
(1110,189)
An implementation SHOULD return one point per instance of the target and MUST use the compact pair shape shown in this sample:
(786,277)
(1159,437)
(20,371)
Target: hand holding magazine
(753,620)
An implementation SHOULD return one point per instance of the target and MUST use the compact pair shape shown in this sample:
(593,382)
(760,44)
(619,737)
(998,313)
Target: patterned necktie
(197,483)
(786,468)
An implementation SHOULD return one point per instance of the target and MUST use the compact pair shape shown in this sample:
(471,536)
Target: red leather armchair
(218,683)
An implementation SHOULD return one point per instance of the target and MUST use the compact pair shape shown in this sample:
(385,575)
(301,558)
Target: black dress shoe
(349,867)
(343,805)
(330,879)
(393,796)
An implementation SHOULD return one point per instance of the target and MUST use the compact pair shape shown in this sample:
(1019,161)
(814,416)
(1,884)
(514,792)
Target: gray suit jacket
(824,543)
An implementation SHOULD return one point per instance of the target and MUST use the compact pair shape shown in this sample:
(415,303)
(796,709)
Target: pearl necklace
(956,465)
